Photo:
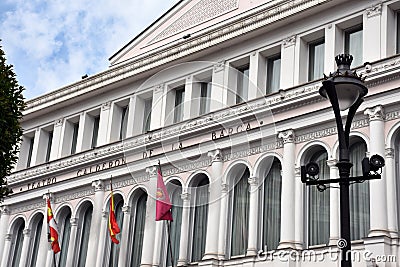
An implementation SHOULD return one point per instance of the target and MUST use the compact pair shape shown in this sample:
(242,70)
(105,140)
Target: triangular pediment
(186,19)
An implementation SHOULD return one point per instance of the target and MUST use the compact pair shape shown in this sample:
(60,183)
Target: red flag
(113,227)
(163,204)
(53,235)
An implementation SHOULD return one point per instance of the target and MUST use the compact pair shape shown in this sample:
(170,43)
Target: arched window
(64,225)
(240,214)
(318,204)
(359,194)
(84,235)
(17,240)
(199,219)
(112,250)
(137,229)
(175,190)
(36,233)
(271,195)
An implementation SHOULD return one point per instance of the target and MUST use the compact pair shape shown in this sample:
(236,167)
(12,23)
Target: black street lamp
(345,90)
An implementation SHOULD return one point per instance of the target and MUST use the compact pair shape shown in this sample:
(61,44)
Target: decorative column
(45,252)
(159,106)
(218,89)
(95,226)
(150,222)
(72,242)
(372,40)
(257,70)
(184,244)
(123,250)
(211,249)
(4,219)
(158,239)
(102,137)
(222,221)
(288,190)
(6,251)
(57,139)
(25,247)
(299,210)
(102,239)
(253,217)
(334,214)
(288,62)
(391,192)
(378,191)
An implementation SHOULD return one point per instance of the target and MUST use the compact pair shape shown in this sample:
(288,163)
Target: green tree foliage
(11,107)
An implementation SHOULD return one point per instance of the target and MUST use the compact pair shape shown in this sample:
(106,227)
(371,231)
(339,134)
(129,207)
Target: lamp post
(345,90)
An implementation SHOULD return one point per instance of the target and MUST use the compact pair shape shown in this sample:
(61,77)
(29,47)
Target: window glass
(138,231)
(179,98)
(37,232)
(242,84)
(177,204)
(318,205)
(272,206)
(49,144)
(354,45)
(147,114)
(114,248)
(64,239)
(124,123)
(359,195)
(30,151)
(240,216)
(18,241)
(75,128)
(273,74)
(200,220)
(95,133)
(316,55)
(84,236)
(205,98)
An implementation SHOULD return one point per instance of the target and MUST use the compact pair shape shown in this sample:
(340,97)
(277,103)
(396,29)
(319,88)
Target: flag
(113,227)
(163,203)
(53,231)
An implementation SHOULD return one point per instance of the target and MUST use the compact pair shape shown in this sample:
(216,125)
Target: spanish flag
(113,227)
(53,231)
(163,203)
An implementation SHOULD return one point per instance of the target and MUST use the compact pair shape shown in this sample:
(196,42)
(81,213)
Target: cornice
(251,22)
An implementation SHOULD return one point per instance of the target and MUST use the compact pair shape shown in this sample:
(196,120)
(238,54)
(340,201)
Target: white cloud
(53,43)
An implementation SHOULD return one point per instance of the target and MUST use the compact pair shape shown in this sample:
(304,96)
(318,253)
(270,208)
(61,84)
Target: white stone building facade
(225,95)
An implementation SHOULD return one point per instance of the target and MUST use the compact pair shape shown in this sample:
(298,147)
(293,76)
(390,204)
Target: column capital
(389,153)
(215,155)
(5,210)
(106,106)
(104,214)
(224,188)
(8,237)
(48,196)
(373,11)
(159,88)
(126,209)
(289,41)
(58,122)
(98,185)
(331,163)
(185,196)
(219,66)
(287,136)
(152,171)
(253,181)
(297,171)
(26,232)
(375,113)
(73,221)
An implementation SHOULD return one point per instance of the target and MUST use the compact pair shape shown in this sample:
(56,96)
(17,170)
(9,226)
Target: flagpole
(170,243)
(48,230)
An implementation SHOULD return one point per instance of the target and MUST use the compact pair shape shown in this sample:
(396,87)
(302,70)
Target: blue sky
(52,43)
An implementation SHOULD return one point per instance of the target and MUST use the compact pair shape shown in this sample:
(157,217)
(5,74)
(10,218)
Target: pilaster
(150,223)
(6,251)
(218,88)
(102,137)
(159,106)
(372,40)
(288,53)
(124,242)
(95,226)
(288,190)
(253,216)
(4,222)
(184,242)
(378,192)
(257,72)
